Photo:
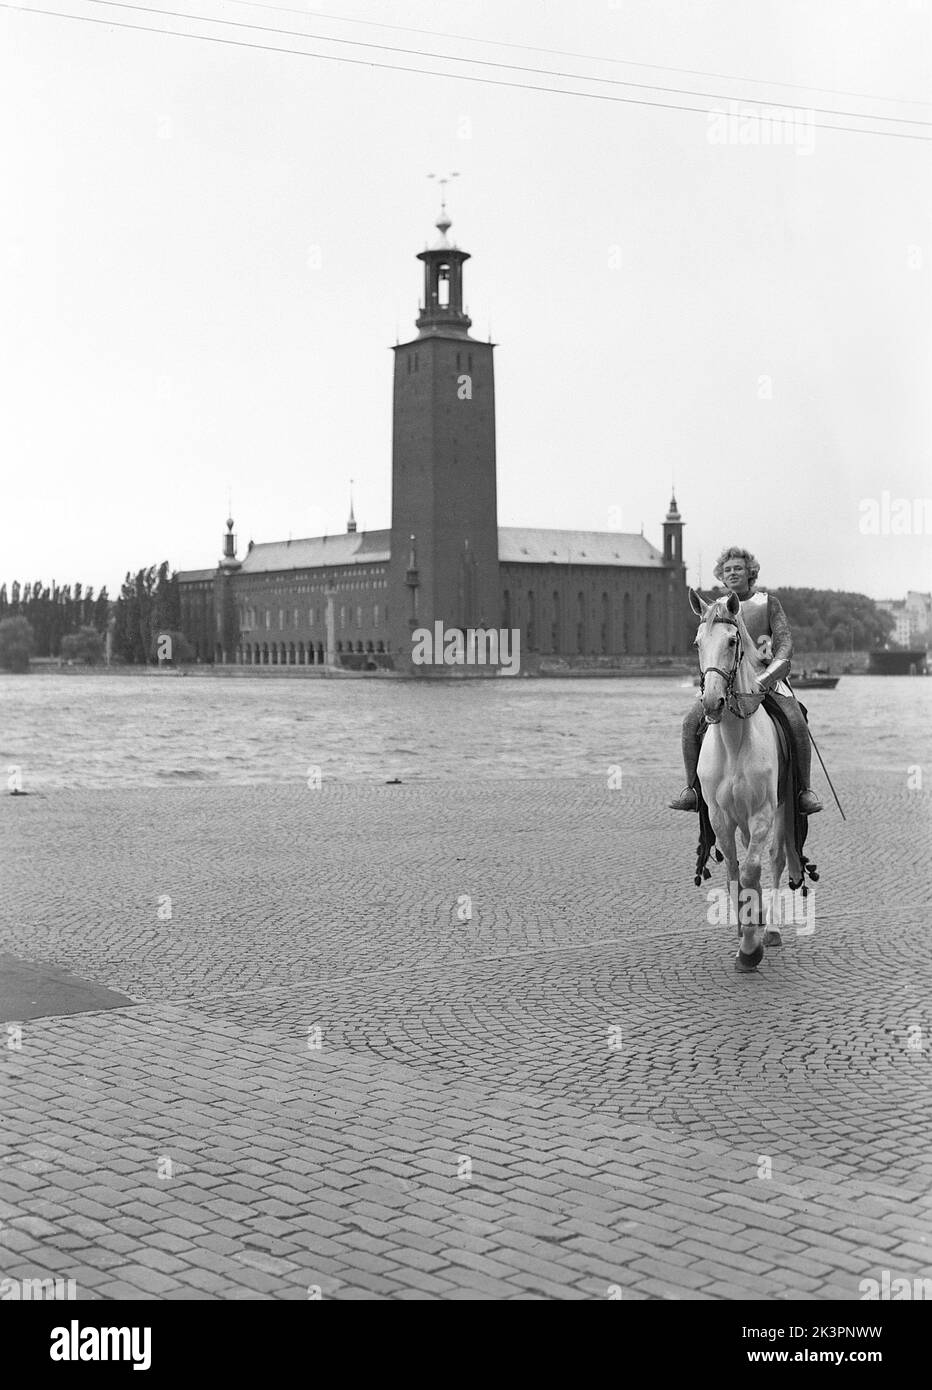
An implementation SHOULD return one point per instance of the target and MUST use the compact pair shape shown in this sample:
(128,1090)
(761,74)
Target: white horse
(739,768)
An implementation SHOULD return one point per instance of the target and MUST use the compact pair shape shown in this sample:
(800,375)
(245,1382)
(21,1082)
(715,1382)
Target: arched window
(506,603)
(531,621)
(555,634)
(604,632)
(626,624)
(581,622)
(648,623)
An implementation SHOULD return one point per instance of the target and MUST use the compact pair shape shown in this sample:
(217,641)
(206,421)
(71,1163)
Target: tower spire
(443,223)
(351,523)
(442,313)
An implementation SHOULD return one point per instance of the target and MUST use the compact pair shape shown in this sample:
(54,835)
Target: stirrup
(808,803)
(686,801)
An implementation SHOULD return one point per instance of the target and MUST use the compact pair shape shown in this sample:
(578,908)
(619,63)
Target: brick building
(356,599)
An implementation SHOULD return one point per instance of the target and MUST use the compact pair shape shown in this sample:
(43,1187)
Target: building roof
(316,552)
(531,545)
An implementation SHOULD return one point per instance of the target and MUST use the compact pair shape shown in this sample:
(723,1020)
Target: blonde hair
(735,552)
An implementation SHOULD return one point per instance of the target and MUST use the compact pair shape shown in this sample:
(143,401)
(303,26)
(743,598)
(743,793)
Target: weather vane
(443,180)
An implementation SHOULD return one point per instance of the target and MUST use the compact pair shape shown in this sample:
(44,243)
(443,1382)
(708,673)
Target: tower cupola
(442,310)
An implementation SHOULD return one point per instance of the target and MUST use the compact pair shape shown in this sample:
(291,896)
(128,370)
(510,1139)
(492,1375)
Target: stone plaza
(472,1040)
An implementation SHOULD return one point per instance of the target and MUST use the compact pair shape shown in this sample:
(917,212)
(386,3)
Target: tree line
(824,620)
(53,611)
(147,611)
(68,621)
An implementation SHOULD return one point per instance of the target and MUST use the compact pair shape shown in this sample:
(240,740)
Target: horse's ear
(733,604)
(697,603)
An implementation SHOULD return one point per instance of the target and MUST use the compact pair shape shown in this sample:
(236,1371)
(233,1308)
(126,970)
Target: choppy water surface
(150,731)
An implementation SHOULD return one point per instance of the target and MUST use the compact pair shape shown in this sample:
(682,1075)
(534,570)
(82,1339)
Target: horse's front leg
(725,829)
(751,916)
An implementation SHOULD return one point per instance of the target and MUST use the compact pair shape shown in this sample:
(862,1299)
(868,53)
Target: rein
(731,695)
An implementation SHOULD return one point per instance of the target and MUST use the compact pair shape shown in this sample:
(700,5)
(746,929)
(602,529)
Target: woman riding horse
(766,622)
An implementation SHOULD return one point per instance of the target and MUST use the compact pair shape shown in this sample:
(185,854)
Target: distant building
(913,618)
(356,599)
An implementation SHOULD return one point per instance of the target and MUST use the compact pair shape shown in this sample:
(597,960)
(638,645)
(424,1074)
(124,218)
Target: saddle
(796,825)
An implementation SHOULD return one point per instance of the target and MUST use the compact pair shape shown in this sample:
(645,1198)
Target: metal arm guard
(776,671)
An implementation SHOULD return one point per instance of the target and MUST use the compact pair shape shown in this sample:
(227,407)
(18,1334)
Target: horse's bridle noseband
(731,695)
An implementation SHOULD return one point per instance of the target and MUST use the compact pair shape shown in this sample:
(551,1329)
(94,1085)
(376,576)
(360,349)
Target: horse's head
(721,642)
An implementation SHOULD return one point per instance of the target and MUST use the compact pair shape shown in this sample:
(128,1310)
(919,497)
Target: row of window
(326,579)
(587,630)
(250,618)
(413,360)
(295,653)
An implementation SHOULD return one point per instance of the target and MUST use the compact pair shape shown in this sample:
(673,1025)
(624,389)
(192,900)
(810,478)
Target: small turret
(673,534)
(229,541)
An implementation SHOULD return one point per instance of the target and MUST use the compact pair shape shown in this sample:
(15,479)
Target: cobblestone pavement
(330,1077)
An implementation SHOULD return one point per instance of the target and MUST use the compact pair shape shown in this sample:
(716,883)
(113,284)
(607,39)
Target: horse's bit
(731,695)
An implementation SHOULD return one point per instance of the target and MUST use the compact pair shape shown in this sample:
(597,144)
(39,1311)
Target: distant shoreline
(843,664)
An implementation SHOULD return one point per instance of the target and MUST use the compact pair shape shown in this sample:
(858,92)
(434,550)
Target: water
(149,731)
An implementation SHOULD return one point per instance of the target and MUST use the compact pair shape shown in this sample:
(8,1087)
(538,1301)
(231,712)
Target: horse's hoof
(747,964)
(772,937)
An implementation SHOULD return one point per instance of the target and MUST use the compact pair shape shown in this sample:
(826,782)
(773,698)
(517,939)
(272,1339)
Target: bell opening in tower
(443,287)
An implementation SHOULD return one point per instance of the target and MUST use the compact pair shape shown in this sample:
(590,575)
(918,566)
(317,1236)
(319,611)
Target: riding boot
(688,799)
(807,800)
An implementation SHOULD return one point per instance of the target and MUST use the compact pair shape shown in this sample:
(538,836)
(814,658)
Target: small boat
(816,681)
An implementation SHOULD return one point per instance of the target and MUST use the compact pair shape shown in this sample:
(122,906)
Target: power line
(585,57)
(430,72)
(486,63)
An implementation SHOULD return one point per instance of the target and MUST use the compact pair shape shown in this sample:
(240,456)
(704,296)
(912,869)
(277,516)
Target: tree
(85,645)
(17,641)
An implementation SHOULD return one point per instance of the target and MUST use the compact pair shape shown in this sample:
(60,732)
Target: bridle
(731,695)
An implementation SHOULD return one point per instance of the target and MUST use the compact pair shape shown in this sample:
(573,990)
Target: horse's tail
(795,824)
(706,839)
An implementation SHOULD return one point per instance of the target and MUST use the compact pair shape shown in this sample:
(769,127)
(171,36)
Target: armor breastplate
(756,620)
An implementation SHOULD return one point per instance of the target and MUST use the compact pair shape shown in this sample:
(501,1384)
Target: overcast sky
(207,251)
